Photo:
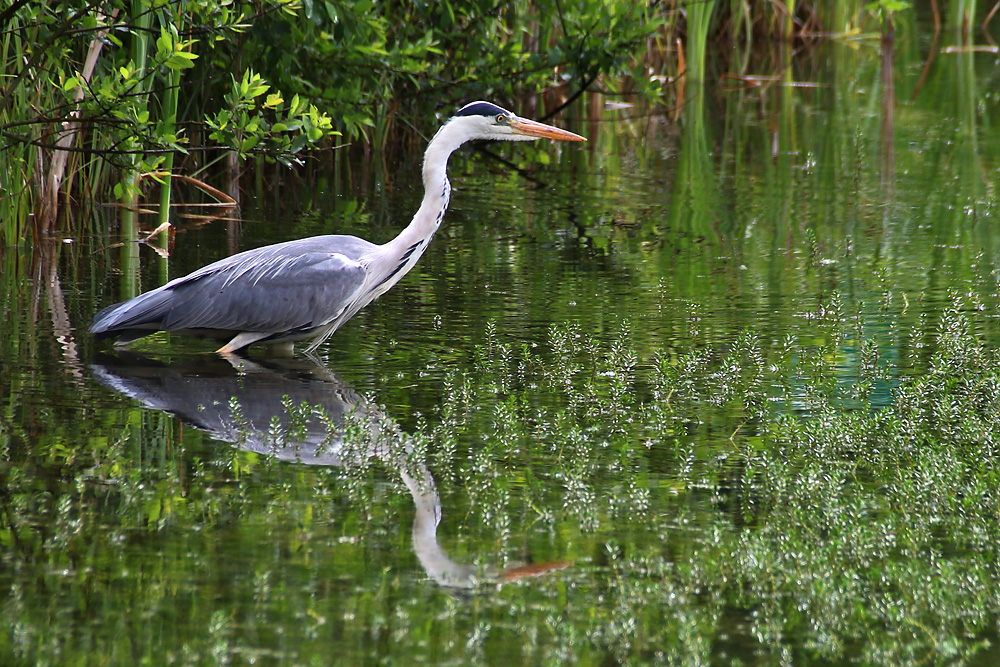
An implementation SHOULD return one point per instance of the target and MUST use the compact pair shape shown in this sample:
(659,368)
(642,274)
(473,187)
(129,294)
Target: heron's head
(483,120)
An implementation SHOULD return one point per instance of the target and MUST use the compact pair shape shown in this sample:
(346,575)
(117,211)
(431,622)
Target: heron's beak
(530,128)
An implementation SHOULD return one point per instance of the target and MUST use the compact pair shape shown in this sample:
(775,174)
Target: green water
(713,390)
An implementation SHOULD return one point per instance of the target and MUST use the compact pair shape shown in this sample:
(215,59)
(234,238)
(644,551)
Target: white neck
(413,240)
(437,190)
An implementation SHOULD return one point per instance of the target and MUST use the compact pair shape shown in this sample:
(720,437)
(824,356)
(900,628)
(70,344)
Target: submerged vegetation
(815,531)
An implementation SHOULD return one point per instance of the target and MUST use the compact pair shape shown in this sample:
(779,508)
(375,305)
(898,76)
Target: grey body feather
(308,284)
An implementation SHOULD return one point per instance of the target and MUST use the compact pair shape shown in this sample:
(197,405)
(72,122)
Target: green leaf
(259,89)
(164,43)
(181,60)
(248,143)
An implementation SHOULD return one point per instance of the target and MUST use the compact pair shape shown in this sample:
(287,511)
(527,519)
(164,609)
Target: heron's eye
(501,119)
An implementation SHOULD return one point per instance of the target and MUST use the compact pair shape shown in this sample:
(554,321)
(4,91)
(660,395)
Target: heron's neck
(437,191)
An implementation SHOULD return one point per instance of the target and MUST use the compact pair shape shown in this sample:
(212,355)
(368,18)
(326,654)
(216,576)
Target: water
(508,388)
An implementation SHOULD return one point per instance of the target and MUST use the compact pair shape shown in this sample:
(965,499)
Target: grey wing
(268,292)
(278,288)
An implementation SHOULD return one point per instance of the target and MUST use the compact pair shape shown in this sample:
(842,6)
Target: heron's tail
(133,319)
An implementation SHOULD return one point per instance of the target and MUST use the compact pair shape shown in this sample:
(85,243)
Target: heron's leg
(240,341)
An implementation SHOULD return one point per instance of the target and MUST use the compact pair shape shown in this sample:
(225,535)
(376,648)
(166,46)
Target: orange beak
(530,128)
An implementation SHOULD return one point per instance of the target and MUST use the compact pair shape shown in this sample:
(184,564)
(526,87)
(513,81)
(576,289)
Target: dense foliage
(90,85)
(100,94)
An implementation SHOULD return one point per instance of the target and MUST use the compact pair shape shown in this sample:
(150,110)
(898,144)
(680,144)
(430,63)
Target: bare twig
(989,17)
(57,167)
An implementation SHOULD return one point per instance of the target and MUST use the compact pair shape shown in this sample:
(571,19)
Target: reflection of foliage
(878,523)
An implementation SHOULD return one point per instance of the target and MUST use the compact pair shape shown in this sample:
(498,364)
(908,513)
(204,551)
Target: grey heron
(307,288)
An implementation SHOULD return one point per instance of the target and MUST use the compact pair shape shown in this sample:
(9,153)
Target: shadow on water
(298,411)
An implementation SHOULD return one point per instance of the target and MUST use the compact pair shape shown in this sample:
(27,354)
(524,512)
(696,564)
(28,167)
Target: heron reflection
(256,407)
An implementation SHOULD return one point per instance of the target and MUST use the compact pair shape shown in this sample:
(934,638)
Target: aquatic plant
(714,504)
